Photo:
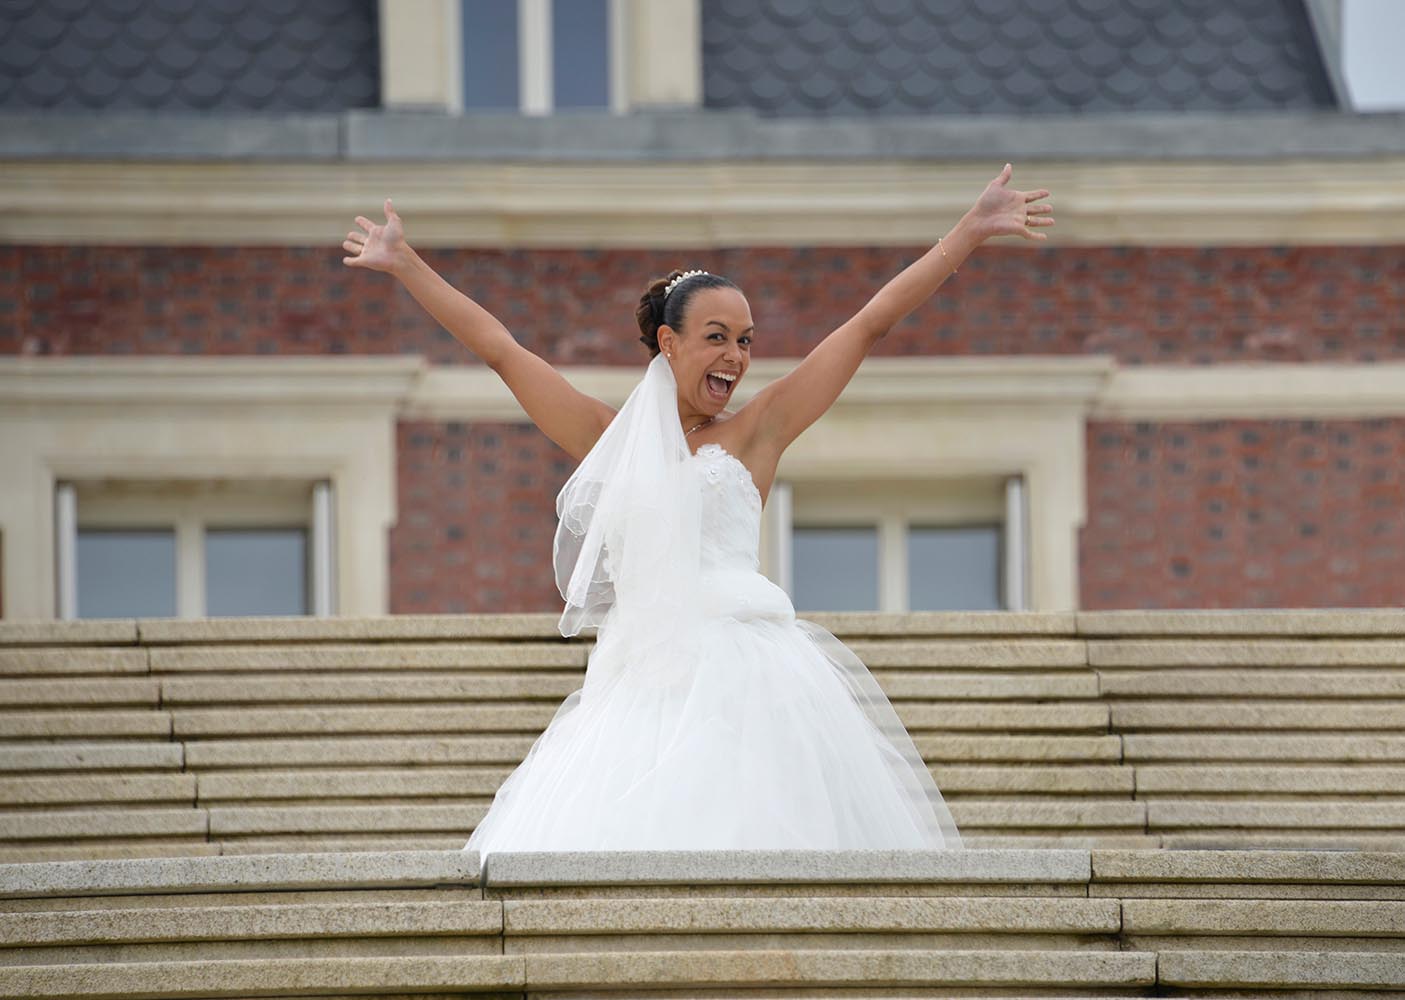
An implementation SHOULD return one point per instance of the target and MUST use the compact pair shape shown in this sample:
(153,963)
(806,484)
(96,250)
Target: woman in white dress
(710,717)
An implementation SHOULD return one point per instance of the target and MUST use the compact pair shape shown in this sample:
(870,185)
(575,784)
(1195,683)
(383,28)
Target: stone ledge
(1264,917)
(386,657)
(1300,622)
(259,921)
(672,969)
(999,651)
(96,632)
(954,914)
(90,756)
(159,631)
(265,872)
(263,977)
(1254,969)
(1247,866)
(521,869)
(694,136)
(1272,651)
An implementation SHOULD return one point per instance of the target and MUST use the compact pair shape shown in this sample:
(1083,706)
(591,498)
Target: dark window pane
(490,55)
(580,53)
(126,574)
(256,572)
(954,569)
(835,569)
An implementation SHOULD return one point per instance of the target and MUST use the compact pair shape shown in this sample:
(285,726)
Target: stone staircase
(1066,923)
(247,808)
(1109,730)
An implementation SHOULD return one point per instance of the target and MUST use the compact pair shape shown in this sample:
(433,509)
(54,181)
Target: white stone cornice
(701,204)
(463,393)
(416,390)
(147,381)
(1254,392)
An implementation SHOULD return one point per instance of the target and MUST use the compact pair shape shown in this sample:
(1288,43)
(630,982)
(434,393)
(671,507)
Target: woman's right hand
(376,247)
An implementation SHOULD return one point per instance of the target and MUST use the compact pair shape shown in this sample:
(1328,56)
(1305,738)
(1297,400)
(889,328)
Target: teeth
(725,376)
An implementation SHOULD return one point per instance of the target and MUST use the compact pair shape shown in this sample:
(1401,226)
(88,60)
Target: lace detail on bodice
(731,511)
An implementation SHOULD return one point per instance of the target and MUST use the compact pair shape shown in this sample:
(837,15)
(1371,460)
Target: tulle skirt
(764,733)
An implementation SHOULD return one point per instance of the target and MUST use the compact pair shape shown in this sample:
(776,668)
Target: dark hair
(655,310)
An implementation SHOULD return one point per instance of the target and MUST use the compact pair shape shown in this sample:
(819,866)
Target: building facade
(1192,396)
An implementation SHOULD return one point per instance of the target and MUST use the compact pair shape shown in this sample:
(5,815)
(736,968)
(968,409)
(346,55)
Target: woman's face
(714,351)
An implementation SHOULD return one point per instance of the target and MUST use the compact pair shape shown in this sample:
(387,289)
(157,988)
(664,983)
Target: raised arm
(568,416)
(792,403)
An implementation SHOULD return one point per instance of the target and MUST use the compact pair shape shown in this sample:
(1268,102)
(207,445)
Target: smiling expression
(712,353)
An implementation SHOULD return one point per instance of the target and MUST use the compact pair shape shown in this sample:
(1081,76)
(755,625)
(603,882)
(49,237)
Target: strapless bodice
(732,585)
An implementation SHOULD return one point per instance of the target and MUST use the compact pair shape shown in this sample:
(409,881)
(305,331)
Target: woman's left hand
(1003,211)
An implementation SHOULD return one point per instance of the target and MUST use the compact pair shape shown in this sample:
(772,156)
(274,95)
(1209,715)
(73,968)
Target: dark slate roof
(189,55)
(960,57)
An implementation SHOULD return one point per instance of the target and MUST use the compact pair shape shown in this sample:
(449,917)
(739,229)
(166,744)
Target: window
(490,55)
(541,56)
(193,549)
(126,573)
(954,568)
(256,571)
(836,569)
(901,546)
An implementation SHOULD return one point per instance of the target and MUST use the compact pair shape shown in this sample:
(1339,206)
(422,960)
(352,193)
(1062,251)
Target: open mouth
(719,384)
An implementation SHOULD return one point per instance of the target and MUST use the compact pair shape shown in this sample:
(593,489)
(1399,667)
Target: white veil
(628,540)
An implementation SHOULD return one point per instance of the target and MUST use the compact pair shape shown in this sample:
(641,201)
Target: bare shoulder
(740,436)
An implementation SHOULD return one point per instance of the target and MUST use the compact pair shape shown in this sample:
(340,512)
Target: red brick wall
(1144,305)
(1245,514)
(477,514)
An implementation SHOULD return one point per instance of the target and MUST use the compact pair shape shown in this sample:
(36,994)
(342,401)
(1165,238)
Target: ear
(668,339)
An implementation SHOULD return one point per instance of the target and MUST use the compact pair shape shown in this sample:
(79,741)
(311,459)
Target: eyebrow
(718,322)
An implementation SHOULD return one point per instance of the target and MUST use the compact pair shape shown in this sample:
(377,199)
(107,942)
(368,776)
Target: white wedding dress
(710,717)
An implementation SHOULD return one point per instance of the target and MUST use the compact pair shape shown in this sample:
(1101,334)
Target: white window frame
(191,509)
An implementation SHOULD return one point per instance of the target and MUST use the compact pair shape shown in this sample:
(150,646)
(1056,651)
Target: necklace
(703,424)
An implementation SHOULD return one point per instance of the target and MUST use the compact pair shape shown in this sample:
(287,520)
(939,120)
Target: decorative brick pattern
(1143,305)
(477,511)
(1246,514)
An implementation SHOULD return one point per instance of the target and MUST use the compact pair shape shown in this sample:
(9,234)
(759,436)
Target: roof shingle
(923,57)
(189,55)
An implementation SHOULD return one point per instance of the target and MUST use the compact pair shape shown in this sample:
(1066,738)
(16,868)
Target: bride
(710,717)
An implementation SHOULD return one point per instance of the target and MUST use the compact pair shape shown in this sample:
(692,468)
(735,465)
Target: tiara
(682,277)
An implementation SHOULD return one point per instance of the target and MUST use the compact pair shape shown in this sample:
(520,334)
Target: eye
(744,340)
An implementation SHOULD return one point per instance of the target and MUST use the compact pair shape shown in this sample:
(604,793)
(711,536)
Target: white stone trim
(299,419)
(322,541)
(420,53)
(664,59)
(66,549)
(1254,391)
(534,57)
(1295,202)
(476,393)
(620,13)
(1015,575)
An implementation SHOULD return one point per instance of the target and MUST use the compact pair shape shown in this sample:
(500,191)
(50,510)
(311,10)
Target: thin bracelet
(945,256)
